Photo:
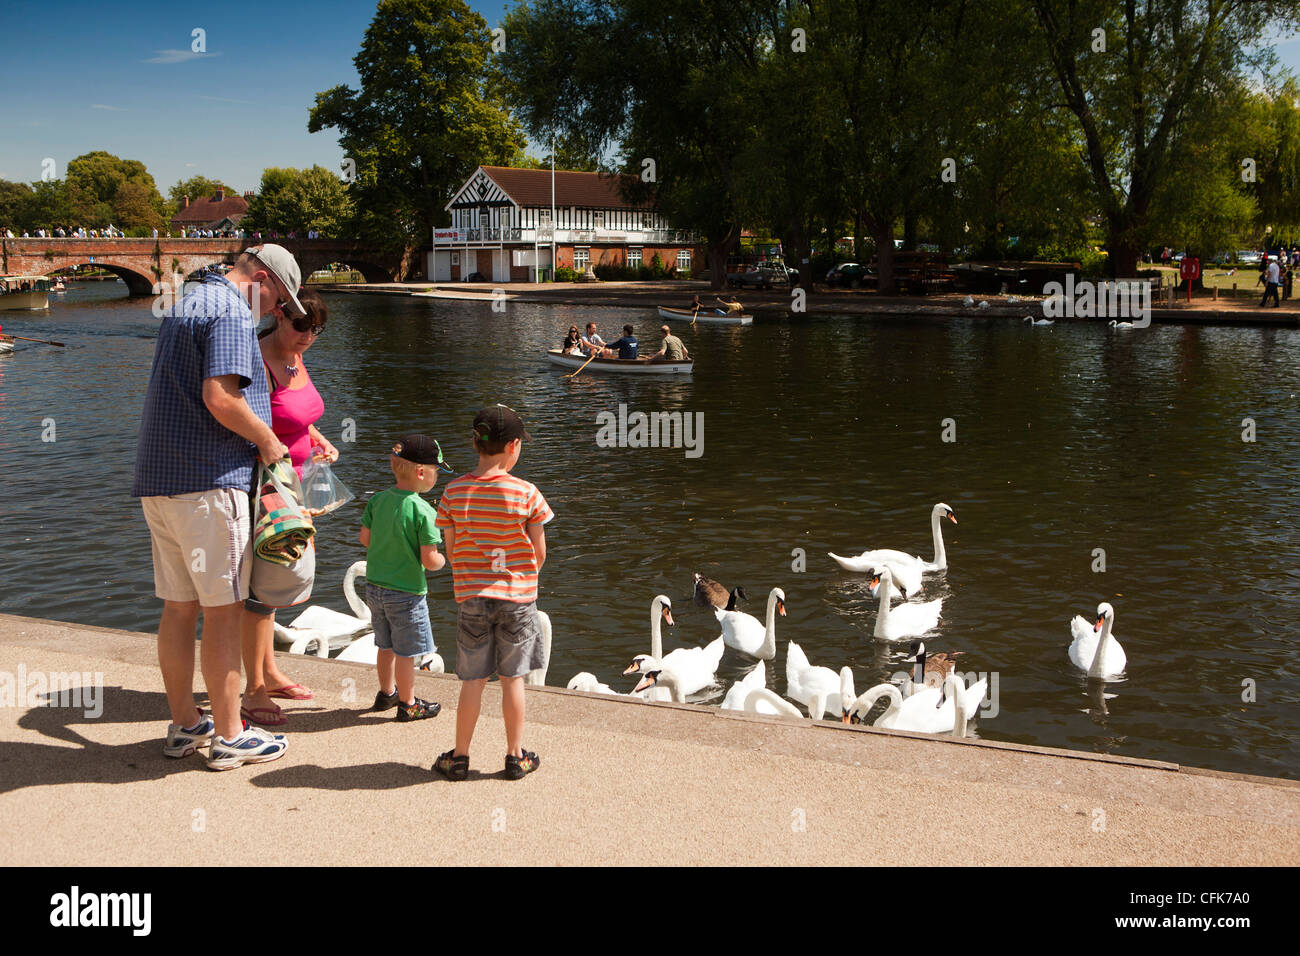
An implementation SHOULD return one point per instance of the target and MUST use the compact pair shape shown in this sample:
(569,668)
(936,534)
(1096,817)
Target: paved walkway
(621,782)
(1243,310)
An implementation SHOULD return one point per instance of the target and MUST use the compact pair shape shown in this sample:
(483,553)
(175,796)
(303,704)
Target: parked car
(1248,257)
(846,274)
(763,276)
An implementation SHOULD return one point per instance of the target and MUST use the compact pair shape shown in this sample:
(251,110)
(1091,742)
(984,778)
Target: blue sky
(82,75)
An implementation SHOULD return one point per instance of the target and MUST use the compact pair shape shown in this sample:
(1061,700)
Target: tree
(47,206)
(135,207)
(426,114)
(1134,75)
(300,199)
(94,180)
(14,198)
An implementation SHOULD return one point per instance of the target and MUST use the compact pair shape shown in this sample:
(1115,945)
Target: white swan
(906,620)
(736,694)
(819,689)
(747,634)
(1100,656)
(693,667)
(896,560)
(661,609)
(588,682)
(760,700)
(1119,325)
(325,628)
(928,711)
(1032,321)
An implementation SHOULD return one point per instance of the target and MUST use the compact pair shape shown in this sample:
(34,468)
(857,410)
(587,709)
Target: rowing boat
(634,366)
(6,344)
(686,315)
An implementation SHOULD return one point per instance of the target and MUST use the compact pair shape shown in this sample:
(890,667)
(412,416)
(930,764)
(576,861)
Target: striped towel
(283,530)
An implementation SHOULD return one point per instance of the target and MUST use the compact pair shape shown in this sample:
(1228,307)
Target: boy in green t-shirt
(401,541)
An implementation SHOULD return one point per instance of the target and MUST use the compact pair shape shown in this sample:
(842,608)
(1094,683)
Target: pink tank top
(292,411)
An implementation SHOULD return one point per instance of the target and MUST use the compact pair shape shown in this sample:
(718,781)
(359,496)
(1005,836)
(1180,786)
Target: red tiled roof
(532,187)
(200,212)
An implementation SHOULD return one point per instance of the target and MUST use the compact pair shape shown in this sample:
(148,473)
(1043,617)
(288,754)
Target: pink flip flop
(266,716)
(291,692)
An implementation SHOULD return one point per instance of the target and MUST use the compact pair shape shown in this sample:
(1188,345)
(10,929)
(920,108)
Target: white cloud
(177,56)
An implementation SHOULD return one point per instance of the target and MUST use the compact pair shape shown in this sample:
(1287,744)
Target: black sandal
(451,766)
(519,767)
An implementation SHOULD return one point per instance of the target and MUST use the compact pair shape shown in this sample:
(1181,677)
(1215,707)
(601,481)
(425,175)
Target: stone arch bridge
(145,263)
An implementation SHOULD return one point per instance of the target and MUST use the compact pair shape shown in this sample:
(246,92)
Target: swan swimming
(914,565)
(905,620)
(1101,657)
(739,691)
(928,711)
(747,634)
(819,689)
(1032,321)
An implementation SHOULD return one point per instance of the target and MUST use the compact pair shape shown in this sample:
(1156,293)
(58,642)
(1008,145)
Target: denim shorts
(497,637)
(400,620)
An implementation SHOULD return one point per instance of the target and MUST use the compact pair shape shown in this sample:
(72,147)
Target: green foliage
(300,199)
(103,189)
(427,112)
(565,274)
(14,199)
(196,187)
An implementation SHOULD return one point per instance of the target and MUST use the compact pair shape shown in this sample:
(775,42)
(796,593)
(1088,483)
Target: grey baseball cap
(280,261)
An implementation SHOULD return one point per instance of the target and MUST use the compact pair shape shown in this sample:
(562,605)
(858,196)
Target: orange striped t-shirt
(492,555)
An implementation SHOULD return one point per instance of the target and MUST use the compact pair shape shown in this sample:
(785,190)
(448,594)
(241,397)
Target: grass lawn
(1213,276)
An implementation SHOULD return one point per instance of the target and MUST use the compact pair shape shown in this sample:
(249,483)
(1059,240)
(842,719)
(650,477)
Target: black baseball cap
(499,423)
(421,449)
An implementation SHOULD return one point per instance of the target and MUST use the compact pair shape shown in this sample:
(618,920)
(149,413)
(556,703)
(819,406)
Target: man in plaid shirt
(207,418)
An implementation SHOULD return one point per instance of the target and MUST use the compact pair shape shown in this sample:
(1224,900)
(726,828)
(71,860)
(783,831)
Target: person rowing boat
(730,305)
(673,350)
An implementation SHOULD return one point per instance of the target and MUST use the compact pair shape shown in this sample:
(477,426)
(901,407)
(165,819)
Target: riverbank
(621,782)
(1205,310)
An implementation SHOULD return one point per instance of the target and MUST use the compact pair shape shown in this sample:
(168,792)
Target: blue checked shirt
(183,449)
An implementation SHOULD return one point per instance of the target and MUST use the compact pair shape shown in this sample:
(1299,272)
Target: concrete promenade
(1204,310)
(621,782)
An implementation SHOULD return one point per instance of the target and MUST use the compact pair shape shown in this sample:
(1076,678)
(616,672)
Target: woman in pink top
(295,408)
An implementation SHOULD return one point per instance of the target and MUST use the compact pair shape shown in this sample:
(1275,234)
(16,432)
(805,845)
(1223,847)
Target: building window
(684,260)
(581,258)
(634,258)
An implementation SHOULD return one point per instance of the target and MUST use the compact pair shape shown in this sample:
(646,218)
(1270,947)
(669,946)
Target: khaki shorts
(202,549)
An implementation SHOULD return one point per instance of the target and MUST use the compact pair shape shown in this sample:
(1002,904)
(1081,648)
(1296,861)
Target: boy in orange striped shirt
(493,526)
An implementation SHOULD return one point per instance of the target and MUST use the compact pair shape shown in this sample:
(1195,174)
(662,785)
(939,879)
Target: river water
(820,434)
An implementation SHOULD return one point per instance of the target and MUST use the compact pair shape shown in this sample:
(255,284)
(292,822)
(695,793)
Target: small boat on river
(6,344)
(24,292)
(710,316)
(624,366)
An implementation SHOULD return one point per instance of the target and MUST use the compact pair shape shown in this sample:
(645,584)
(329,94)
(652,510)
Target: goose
(739,691)
(872,560)
(1101,657)
(326,628)
(819,689)
(929,670)
(928,711)
(709,593)
(1032,321)
(1119,325)
(746,634)
(760,700)
(906,620)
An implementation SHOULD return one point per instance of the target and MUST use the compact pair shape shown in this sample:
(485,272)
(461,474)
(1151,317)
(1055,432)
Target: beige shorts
(202,549)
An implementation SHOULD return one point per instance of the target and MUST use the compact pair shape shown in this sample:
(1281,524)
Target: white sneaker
(253,745)
(181,742)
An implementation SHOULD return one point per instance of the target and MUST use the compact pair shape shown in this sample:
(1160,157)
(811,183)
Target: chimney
(186,203)
(221,194)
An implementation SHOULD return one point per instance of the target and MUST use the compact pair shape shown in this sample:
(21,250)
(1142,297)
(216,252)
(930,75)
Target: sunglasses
(304,324)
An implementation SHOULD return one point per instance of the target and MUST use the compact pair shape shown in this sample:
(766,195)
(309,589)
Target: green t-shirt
(673,348)
(399,522)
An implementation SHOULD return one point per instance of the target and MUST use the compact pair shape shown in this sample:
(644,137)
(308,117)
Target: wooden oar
(26,339)
(594,355)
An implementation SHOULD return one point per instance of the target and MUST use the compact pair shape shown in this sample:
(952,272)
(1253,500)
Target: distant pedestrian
(494,524)
(1287,275)
(1271,276)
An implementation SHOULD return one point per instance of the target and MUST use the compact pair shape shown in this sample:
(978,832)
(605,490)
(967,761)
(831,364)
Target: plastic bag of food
(323,491)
